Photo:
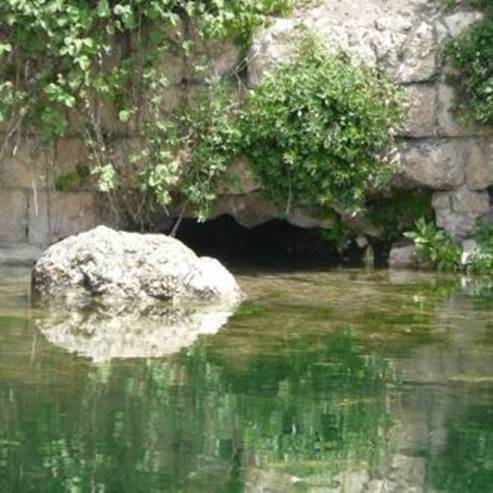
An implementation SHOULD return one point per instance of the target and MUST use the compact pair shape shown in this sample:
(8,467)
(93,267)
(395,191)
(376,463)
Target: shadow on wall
(275,244)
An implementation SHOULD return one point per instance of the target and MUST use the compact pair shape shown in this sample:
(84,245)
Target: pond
(324,381)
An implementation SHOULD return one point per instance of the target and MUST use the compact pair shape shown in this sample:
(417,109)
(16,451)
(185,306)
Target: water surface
(338,381)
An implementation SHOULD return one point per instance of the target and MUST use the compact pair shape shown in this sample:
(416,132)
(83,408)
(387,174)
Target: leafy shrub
(482,258)
(435,247)
(186,160)
(319,131)
(471,53)
(79,57)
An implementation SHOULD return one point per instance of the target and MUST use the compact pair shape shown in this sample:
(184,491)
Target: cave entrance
(274,244)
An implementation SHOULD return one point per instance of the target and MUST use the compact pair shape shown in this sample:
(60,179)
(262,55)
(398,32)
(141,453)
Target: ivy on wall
(66,61)
(318,131)
(471,54)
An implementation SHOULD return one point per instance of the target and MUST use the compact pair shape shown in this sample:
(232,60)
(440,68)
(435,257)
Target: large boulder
(119,270)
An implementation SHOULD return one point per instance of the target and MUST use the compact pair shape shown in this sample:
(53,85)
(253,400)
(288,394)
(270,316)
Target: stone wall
(404,37)
(31,211)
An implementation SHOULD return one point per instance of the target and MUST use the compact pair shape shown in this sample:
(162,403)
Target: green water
(342,381)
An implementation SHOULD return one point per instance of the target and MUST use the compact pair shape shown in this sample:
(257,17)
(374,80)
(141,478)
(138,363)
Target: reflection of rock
(130,335)
(115,268)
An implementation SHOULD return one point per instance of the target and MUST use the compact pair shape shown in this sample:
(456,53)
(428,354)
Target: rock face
(402,256)
(118,270)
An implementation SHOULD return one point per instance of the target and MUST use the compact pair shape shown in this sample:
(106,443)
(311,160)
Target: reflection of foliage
(480,290)
(325,421)
(466,463)
(188,424)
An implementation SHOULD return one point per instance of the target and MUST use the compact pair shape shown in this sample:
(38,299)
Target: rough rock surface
(459,211)
(402,256)
(117,269)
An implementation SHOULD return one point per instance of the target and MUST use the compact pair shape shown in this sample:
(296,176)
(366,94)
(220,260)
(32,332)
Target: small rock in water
(468,249)
(402,256)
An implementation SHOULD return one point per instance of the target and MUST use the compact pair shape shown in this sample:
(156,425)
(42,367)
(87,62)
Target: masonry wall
(403,37)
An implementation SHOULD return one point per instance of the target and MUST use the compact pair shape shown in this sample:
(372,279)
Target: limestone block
(107,115)
(103,112)
(71,153)
(308,218)
(19,254)
(13,216)
(479,164)
(418,55)
(271,47)
(433,164)
(396,35)
(56,215)
(458,22)
(239,180)
(449,124)
(459,211)
(249,210)
(420,111)
(212,58)
(25,166)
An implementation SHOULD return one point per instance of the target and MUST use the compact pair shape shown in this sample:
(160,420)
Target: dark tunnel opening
(275,244)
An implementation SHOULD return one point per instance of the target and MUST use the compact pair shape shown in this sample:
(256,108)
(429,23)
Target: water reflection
(159,332)
(341,382)
(184,423)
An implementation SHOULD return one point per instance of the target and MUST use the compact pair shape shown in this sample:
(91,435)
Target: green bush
(186,160)
(319,130)
(435,247)
(471,54)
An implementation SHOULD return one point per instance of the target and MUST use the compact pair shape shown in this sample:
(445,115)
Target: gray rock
(459,211)
(468,248)
(420,111)
(402,256)
(479,165)
(119,270)
(56,215)
(435,165)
